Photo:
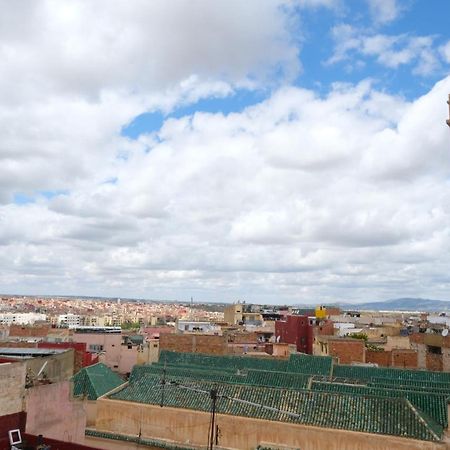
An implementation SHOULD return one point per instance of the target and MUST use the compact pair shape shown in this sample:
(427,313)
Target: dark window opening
(434,350)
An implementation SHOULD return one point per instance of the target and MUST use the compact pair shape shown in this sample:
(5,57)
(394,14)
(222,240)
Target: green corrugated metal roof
(95,381)
(370,373)
(391,416)
(309,364)
(297,363)
(219,362)
(246,376)
(435,405)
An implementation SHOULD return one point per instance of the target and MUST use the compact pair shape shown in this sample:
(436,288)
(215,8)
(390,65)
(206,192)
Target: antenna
(445,332)
(212,434)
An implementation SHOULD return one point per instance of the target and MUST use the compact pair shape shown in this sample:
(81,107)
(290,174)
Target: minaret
(448,101)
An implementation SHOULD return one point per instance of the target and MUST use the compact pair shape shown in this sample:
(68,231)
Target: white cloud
(298,197)
(384,11)
(445,51)
(390,51)
(73,73)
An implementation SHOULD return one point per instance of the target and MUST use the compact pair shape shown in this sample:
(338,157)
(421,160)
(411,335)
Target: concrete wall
(397,342)
(191,427)
(12,387)
(52,413)
(59,366)
(90,408)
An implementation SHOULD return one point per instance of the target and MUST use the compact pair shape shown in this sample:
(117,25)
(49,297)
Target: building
(253,408)
(21,318)
(69,320)
(192,326)
(242,314)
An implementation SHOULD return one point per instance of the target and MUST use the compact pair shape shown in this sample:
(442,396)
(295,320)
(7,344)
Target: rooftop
(95,381)
(308,407)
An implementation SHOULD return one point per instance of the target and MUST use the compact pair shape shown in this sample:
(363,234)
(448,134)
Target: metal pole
(213,394)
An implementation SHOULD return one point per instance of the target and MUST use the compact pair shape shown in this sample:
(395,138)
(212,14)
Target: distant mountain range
(401,304)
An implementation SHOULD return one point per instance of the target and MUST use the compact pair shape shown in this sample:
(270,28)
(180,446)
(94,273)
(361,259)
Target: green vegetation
(130,326)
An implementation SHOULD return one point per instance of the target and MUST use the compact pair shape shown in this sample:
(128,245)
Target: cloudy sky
(281,151)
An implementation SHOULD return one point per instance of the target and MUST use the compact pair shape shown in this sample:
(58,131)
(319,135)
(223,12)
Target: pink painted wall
(111,346)
(52,413)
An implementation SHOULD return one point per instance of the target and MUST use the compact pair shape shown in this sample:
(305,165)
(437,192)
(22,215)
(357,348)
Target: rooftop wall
(12,387)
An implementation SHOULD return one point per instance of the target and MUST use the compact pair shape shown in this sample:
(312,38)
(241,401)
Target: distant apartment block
(21,318)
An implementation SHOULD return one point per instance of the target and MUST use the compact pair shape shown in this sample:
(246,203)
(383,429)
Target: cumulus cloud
(73,73)
(299,197)
(390,51)
(310,196)
(445,51)
(384,11)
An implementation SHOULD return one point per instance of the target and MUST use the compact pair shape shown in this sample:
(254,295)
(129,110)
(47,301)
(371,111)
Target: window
(434,350)
(95,348)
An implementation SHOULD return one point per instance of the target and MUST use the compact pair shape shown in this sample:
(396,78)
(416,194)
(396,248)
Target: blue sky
(312,30)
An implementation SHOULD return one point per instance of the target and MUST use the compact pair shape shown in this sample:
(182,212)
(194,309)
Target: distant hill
(402,304)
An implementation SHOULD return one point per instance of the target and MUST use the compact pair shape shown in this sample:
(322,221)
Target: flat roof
(23,352)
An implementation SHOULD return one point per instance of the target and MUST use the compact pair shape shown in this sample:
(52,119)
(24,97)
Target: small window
(434,350)
(155,345)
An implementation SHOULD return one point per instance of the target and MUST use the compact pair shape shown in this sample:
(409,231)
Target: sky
(273,151)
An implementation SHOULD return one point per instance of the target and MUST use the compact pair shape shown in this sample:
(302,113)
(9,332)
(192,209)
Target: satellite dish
(444,332)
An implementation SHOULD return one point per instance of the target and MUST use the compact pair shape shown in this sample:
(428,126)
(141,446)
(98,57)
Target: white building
(191,326)
(69,320)
(21,318)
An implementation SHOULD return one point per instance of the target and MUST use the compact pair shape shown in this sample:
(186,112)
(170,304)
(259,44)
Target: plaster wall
(60,366)
(52,413)
(12,387)
(191,427)
(111,346)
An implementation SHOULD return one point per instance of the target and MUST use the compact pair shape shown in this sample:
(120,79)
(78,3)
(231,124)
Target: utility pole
(212,431)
